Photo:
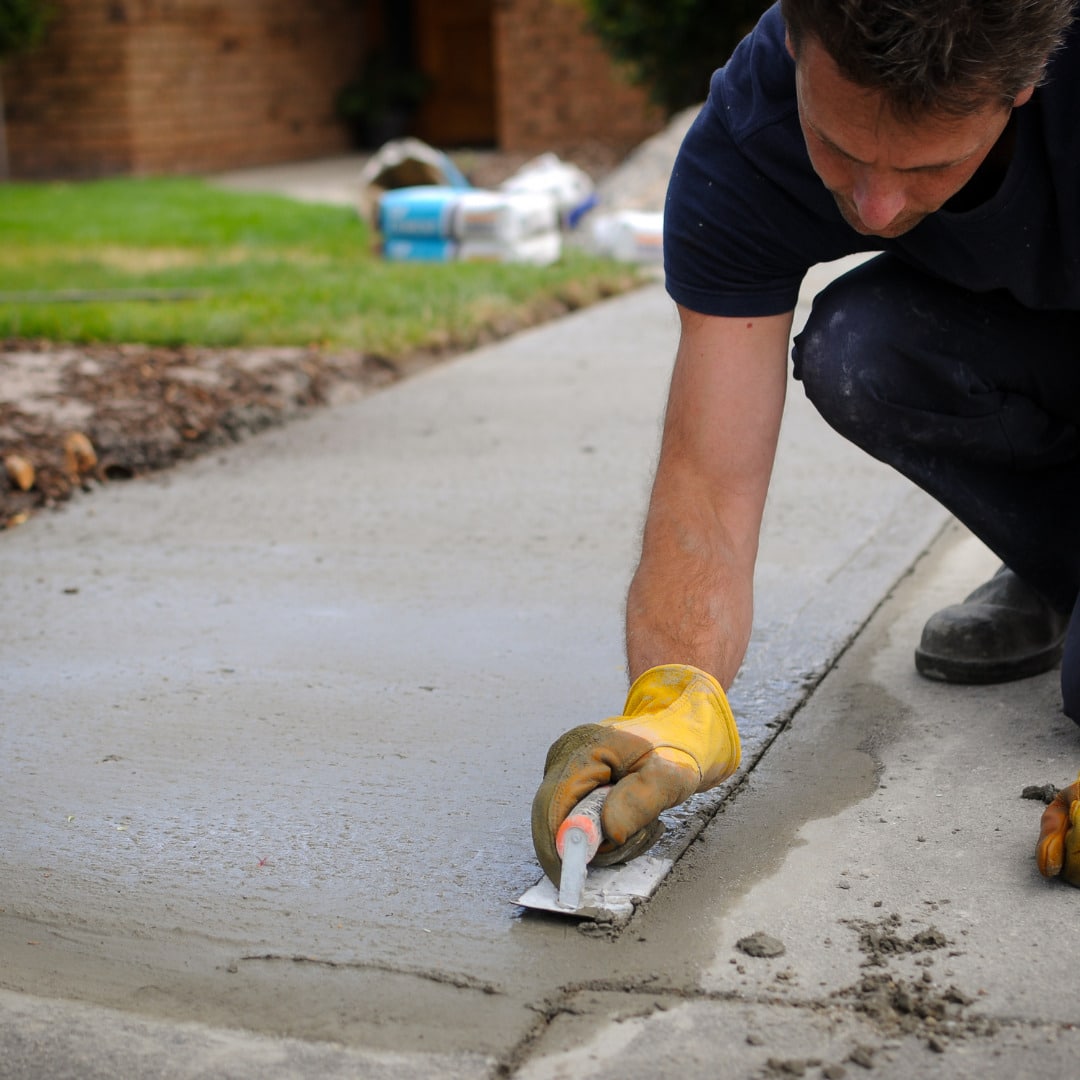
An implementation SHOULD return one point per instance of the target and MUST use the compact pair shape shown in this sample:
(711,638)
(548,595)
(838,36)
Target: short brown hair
(949,57)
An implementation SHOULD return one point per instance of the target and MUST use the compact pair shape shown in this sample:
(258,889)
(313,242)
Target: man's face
(886,174)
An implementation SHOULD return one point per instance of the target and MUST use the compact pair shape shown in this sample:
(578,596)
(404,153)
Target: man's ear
(790,45)
(1023,97)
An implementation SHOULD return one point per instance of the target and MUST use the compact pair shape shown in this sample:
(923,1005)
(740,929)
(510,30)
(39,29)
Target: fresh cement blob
(1044,793)
(760,944)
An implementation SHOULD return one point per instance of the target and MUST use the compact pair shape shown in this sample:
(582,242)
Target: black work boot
(1004,630)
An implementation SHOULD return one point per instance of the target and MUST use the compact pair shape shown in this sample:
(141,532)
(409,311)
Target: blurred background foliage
(671,49)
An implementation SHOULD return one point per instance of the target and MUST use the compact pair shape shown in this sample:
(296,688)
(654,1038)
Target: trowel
(602,893)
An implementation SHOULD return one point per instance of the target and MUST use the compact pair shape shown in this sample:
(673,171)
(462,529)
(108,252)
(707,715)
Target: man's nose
(879,199)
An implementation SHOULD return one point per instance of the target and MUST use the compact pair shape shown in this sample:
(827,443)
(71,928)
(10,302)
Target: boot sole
(982,672)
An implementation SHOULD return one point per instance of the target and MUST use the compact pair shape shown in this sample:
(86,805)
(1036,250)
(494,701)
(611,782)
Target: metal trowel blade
(610,894)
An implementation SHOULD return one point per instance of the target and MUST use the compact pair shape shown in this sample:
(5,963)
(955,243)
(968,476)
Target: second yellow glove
(1059,836)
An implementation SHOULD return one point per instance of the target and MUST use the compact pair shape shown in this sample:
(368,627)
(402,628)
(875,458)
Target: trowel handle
(586,818)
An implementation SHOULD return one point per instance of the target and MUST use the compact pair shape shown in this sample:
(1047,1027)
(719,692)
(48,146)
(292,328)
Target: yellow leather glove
(1059,836)
(676,737)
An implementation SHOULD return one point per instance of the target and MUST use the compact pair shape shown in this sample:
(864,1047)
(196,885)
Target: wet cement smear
(838,766)
(814,771)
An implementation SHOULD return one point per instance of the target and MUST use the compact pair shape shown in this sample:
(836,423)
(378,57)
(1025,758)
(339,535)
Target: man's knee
(1070,672)
(837,357)
(1070,695)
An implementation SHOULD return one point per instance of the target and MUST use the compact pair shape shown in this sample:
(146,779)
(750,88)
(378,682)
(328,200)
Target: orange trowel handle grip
(586,817)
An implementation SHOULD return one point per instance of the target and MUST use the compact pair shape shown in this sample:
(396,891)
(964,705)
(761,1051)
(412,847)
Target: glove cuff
(695,704)
(663,685)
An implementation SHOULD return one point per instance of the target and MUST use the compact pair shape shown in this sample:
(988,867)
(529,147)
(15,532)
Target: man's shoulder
(756,87)
(749,127)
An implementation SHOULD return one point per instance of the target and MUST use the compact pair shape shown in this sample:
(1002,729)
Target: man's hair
(947,57)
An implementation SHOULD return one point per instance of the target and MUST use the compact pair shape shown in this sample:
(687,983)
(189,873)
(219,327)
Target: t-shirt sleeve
(723,254)
(746,215)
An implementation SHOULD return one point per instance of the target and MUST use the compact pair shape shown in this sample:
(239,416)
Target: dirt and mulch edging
(79,416)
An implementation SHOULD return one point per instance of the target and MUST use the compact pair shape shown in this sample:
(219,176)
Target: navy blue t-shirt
(746,215)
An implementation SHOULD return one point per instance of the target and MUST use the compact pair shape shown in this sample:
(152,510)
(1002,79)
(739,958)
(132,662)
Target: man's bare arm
(691,600)
(690,605)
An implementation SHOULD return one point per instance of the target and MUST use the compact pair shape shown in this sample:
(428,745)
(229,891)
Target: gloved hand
(676,737)
(1059,836)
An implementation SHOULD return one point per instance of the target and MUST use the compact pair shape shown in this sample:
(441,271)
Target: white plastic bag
(571,187)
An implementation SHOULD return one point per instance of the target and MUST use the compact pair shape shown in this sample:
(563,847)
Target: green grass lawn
(177,261)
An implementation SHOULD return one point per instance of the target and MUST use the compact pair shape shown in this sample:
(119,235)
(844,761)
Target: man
(942,134)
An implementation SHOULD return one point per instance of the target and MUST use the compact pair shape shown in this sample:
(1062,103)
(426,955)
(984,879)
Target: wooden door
(454,47)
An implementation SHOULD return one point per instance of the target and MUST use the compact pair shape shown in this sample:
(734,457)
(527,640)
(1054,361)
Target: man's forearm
(691,599)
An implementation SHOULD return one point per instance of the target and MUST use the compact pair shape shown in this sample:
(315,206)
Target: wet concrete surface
(268,754)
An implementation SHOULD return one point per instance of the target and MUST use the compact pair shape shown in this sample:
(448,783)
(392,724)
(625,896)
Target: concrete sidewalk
(268,755)
(334,181)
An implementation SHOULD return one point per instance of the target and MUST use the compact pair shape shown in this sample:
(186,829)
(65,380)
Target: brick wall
(170,86)
(556,87)
(165,86)
(66,102)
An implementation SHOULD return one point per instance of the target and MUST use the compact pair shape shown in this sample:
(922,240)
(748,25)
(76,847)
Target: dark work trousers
(973,397)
